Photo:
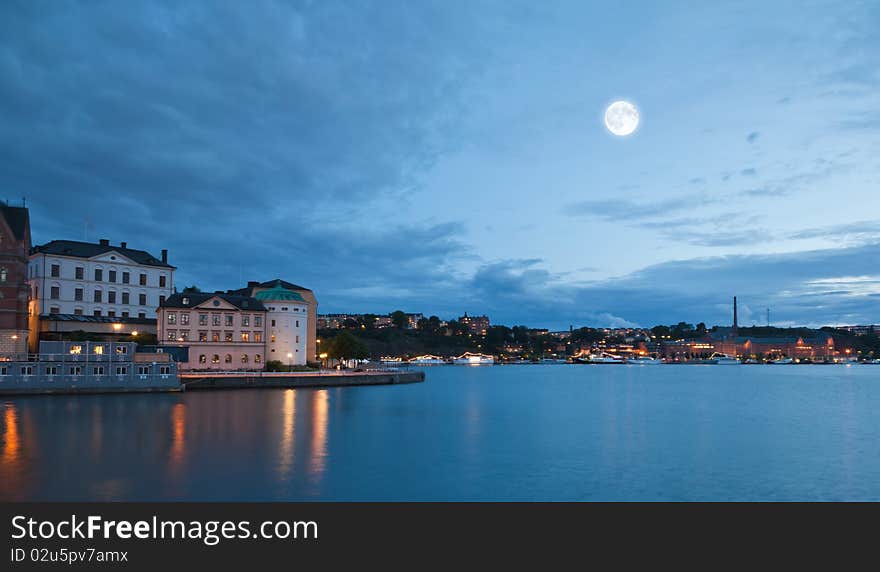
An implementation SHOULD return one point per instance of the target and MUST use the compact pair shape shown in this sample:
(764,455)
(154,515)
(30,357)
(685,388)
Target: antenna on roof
(23,202)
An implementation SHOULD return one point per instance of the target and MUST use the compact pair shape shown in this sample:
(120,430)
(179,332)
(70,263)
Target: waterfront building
(287,330)
(220,331)
(99,288)
(306,312)
(15,245)
(477,325)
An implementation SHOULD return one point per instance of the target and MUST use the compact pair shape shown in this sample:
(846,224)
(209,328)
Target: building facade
(221,331)
(15,244)
(477,325)
(311,317)
(98,288)
(287,320)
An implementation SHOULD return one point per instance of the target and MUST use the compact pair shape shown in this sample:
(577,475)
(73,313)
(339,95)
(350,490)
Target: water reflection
(287,442)
(318,451)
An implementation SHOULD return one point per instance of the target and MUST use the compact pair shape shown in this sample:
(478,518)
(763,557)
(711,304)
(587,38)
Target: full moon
(621,118)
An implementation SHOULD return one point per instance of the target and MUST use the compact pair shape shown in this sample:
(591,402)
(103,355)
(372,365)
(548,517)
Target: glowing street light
(289,361)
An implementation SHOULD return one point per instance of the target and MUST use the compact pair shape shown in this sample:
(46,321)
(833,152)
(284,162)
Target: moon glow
(621,118)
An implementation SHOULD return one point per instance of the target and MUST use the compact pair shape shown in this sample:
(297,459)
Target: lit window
(228,358)
(76,350)
(245,337)
(172,318)
(244,358)
(184,319)
(258,358)
(203,358)
(229,318)
(215,359)
(258,336)
(99,350)
(121,350)
(4,274)
(203,319)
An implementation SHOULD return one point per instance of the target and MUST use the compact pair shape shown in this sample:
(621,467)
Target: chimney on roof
(104,242)
(123,244)
(164,256)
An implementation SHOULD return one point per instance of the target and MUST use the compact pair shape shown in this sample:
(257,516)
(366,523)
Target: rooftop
(79,249)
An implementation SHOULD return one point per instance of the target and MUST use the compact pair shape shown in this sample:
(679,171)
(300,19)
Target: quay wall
(200,381)
(36,385)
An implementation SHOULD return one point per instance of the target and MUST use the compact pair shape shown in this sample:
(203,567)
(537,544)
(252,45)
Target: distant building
(15,244)
(861,330)
(221,331)
(98,288)
(477,325)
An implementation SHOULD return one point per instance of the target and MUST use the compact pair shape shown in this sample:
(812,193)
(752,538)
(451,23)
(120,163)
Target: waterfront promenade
(259,380)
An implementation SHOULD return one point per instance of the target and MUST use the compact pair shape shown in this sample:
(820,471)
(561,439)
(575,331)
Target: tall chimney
(164,256)
(735,323)
(123,244)
(104,242)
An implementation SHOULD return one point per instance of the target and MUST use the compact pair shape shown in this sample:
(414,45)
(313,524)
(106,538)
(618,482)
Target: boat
(602,358)
(645,360)
(781,361)
(723,359)
(427,360)
(391,360)
(469,358)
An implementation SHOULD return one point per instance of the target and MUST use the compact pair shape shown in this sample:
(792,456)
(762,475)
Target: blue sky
(445,157)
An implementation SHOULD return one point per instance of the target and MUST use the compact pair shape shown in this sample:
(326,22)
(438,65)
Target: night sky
(443,157)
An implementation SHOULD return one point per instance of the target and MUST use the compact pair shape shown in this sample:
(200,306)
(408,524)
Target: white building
(287,316)
(99,288)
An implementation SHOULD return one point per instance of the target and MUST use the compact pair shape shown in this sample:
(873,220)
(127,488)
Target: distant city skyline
(438,158)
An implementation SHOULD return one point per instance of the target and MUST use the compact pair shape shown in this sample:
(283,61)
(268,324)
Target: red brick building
(15,246)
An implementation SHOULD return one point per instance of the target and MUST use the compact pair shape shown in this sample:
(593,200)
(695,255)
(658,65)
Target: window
(111,276)
(126,277)
(124,314)
(185,301)
(80,272)
(245,337)
(121,350)
(161,300)
(125,298)
(52,370)
(246,321)
(229,319)
(164,369)
(215,336)
(228,358)
(184,319)
(203,336)
(142,299)
(75,350)
(297,323)
(161,281)
(143,370)
(297,339)
(54,310)
(258,336)
(99,274)
(121,370)
(244,358)
(203,358)
(284,309)
(143,280)
(4,370)
(111,297)
(111,313)
(172,335)
(55,271)
(184,335)
(98,296)
(55,292)
(142,315)
(78,294)
(258,358)
(215,319)
(203,319)
(27,370)
(75,370)
(273,338)
(172,318)
(96,313)
(4,274)
(78,312)
(258,321)
(227,336)
(273,323)
(99,350)
(215,359)
(98,370)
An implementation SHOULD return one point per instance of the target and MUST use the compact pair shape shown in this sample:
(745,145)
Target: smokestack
(735,323)
(123,244)
(164,256)
(104,242)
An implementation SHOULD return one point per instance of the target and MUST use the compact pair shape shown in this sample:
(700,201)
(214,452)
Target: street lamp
(289,361)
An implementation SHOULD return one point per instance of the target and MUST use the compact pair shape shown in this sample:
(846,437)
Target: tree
(345,347)
(192,289)
(400,319)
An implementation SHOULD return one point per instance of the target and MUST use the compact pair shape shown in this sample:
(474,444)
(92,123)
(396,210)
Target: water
(556,432)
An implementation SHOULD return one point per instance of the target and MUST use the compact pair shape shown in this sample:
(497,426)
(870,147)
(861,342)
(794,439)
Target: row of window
(285,308)
(98,296)
(184,336)
(228,319)
(215,359)
(51,370)
(80,271)
(99,350)
(99,313)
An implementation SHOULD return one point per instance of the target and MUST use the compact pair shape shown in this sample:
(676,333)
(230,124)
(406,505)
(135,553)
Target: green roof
(279,293)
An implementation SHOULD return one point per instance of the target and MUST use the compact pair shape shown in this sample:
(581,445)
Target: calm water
(555,432)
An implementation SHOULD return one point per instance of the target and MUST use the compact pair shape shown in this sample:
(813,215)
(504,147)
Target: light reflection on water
(504,432)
